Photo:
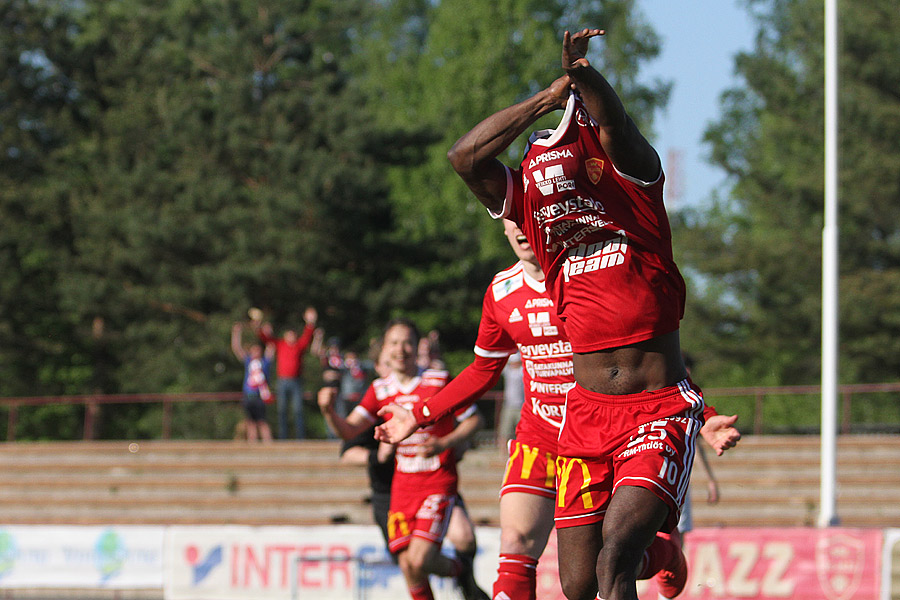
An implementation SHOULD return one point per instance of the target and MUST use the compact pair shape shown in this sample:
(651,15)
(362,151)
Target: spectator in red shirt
(289,351)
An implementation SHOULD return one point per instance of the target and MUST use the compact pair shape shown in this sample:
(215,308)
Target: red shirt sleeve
(306,338)
(370,403)
(468,386)
(264,338)
(493,340)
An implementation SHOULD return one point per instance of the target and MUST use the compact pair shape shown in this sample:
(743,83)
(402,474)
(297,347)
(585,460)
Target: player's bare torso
(649,365)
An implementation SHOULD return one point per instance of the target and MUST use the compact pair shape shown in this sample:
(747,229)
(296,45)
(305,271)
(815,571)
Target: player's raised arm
(474,155)
(629,151)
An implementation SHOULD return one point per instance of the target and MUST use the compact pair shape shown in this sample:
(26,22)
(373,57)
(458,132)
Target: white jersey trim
(538,286)
(552,136)
(507,201)
(635,180)
(479,351)
(467,413)
(363,413)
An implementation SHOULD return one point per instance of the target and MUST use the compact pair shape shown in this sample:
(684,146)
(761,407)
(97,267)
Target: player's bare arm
(400,426)
(474,155)
(347,428)
(720,433)
(629,151)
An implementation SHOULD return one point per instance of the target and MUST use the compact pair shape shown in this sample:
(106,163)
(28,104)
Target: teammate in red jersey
(517,316)
(588,197)
(424,487)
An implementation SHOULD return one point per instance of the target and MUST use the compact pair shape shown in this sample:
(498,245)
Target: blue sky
(699,41)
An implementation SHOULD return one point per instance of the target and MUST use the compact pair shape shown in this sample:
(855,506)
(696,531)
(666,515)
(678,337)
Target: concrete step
(766,481)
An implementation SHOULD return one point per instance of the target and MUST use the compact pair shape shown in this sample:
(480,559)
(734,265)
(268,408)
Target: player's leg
(525,524)
(634,516)
(412,560)
(579,547)
(461,534)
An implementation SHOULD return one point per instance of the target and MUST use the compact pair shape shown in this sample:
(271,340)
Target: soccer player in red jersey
(589,198)
(424,486)
(517,315)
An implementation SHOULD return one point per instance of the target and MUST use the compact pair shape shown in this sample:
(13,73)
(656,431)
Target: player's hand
(558,91)
(326,398)
(575,47)
(310,316)
(398,427)
(432,447)
(720,433)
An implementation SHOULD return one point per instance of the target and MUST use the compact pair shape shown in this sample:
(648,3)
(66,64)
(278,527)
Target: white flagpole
(828,493)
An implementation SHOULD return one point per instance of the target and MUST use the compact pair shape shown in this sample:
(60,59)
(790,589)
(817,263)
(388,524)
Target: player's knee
(412,565)
(463,539)
(514,541)
(578,585)
(620,557)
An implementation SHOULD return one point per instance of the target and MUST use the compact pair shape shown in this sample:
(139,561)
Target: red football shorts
(529,470)
(644,440)
(420,515)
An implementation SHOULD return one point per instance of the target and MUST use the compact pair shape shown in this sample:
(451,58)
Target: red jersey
(602,238)
(412,472)
(289,357)
(517,315)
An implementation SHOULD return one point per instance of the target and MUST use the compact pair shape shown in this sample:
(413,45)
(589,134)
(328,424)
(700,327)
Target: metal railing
(758,396)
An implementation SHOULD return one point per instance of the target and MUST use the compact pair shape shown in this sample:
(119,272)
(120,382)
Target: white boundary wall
(237,563)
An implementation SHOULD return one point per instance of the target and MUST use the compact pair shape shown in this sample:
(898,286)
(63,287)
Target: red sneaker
(672,579)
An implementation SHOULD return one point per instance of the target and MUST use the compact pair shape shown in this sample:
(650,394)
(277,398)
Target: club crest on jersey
(505,287)
(594,168)
(515,316)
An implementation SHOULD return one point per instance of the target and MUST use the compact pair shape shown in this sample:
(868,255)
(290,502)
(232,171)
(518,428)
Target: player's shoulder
(507,281)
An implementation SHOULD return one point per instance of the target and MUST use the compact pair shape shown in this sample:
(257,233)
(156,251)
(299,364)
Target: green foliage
(165,166)
(754,255)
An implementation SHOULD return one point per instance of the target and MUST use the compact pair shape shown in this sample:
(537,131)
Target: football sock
(659,554)
(516,577)
(421,592)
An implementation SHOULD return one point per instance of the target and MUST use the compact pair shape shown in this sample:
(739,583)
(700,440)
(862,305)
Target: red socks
(421,592)
(515,578)
(659,554)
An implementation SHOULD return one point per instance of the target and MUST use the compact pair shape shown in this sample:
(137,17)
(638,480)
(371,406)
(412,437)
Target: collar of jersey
(548,137)
(404,389)
(538,286)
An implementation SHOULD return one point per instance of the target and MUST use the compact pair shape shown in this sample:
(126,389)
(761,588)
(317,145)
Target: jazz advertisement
(765,564)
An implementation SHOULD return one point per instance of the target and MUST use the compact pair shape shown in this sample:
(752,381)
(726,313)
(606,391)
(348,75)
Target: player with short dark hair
(589,198)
